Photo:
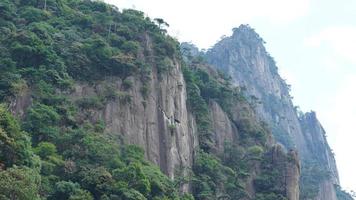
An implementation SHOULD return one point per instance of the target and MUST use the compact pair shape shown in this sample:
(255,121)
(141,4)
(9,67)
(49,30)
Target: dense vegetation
(86,166)
(45,46)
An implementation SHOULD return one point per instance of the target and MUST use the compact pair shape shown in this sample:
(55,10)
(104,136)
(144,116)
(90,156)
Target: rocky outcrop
(320,153)
(288,167)
(21,102)
(244,57)
(223,129)
(292,175)
(317,144)
(326,191)
(158,122)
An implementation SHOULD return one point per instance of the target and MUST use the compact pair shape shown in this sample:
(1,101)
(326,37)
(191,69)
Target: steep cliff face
(244,57)
(223,129)
(103,92)
(239,137)
(317,144)
(160,122)
(320,153)
(289,166)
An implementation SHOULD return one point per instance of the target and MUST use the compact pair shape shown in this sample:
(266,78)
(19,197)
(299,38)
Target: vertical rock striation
(320,153)
(244,57)
(317,144)
(289,169)
(160,122)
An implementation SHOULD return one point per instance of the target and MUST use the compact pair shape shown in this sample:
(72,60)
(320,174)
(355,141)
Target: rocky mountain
(244,57)
(98,103)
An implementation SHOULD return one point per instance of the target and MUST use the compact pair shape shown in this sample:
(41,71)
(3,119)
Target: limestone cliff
(244,57)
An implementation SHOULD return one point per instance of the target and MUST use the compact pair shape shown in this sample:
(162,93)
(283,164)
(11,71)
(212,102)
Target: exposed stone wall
(244,57)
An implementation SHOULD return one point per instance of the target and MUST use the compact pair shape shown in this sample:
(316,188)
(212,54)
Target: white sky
(312,41)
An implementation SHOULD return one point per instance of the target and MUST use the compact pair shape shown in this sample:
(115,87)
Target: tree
(135,178)
(19,183)
(70,191)
(15,145)
(45,149)
(161,24)
(98,181)
(41,121)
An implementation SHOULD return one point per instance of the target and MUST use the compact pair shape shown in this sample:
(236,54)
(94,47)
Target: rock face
(158,122)
(244,57)
(289,165)
(154,115)
(321,153)
(292,175)
(224,129)
(317,144)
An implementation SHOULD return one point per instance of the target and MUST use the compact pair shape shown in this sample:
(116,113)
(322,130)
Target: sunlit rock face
(244,57)
(159,122)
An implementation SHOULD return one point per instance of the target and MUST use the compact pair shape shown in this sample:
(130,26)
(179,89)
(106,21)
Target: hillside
(99,103)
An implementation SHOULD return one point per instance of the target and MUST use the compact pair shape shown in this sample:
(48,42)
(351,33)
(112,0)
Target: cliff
(116,109)
(244,57)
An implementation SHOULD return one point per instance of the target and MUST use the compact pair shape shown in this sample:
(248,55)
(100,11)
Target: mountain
(244,57)
(98,103)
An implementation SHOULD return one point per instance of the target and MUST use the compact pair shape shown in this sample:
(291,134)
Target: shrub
(19,183)
(45,149)
(15,145)
(127,83)
(93,102)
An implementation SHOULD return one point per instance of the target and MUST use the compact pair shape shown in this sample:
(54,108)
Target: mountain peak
(246,32)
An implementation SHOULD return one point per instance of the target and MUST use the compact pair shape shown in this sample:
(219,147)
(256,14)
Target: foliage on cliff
(79,164)
(45,46)
(48,45)
(225,176)
(342,195)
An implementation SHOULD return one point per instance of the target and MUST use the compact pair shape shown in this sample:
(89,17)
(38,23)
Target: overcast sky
(312,41)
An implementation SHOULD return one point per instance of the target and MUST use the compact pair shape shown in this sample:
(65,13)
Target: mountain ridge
(244,57)
(98,103)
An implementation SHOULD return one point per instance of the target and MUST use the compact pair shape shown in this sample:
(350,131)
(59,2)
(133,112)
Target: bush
(19,183)
(15,145)
(42,122)
(93,102)
(145,91)
(70,191)
(45,149)
(127,84)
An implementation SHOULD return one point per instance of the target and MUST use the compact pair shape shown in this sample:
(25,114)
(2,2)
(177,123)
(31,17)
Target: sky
(312,41)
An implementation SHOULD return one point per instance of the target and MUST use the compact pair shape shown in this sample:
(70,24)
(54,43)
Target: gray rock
(244,57)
